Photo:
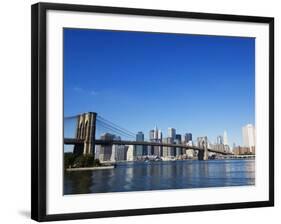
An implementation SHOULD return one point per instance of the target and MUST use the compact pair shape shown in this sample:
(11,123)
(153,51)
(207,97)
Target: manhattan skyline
(198,84)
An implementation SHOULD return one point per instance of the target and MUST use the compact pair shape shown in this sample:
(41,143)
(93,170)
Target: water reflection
(140,176)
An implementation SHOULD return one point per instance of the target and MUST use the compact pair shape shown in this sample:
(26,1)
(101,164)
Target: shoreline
(90,168)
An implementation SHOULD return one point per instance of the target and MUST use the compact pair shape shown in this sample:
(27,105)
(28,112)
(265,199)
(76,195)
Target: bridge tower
(203,143)
(86,131)
(206,154)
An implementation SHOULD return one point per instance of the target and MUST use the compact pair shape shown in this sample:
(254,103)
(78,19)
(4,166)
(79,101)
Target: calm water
(142,176)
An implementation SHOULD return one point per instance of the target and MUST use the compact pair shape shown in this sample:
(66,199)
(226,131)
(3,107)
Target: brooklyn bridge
(84,139)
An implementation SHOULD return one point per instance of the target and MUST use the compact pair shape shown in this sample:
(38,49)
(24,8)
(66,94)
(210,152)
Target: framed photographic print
(139,111)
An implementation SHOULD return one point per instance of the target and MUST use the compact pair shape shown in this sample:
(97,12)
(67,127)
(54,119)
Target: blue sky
(194,83)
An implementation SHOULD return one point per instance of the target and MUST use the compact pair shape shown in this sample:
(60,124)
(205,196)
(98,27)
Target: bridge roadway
(73,141)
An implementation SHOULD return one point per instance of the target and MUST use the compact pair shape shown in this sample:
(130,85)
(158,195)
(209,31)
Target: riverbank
(90,168)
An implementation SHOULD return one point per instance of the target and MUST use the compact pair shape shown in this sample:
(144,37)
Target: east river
(143,176)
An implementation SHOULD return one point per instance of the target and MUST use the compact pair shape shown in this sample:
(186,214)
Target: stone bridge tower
(86,131)
(203,143)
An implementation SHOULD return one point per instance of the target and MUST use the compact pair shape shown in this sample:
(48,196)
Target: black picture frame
(38,108)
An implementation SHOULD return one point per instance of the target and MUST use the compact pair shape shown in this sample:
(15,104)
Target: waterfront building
(168,151)
(249,136)
(149,150)
(119,153)
(155,135)
(178,151)
(131,153)
(151,135)
(139,148)
(105,153)
(243,150)
(190,153)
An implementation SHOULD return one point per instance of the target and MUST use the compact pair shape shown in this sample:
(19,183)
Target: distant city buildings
(239,150)
(113,153)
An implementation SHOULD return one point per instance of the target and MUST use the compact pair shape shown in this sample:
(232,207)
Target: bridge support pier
(206,154)
(203,154)
(86,131)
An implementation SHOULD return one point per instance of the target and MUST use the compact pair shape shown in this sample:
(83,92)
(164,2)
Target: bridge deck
(72,141)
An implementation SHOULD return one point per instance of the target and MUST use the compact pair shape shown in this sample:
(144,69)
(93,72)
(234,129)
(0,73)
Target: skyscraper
(219,139)
(139,148)
(225,139)
(249,136)
(160,135)
(172,133)
(178,137)
(155,132)
(168,151)
(151,135)
(187,137)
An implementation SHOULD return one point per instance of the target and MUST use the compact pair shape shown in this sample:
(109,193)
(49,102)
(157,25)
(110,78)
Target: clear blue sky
(194,83)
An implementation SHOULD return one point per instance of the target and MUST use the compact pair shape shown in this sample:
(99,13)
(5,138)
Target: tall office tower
(178,138)
(225,139)
(172,133)
(160,140)
(140,137)
(160,135)
(168,151)
(189,137)
(106,150)
(219,139)
(178,150)
(155,133)
(151,135)
(249,136)
(139,148)
(186,138)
